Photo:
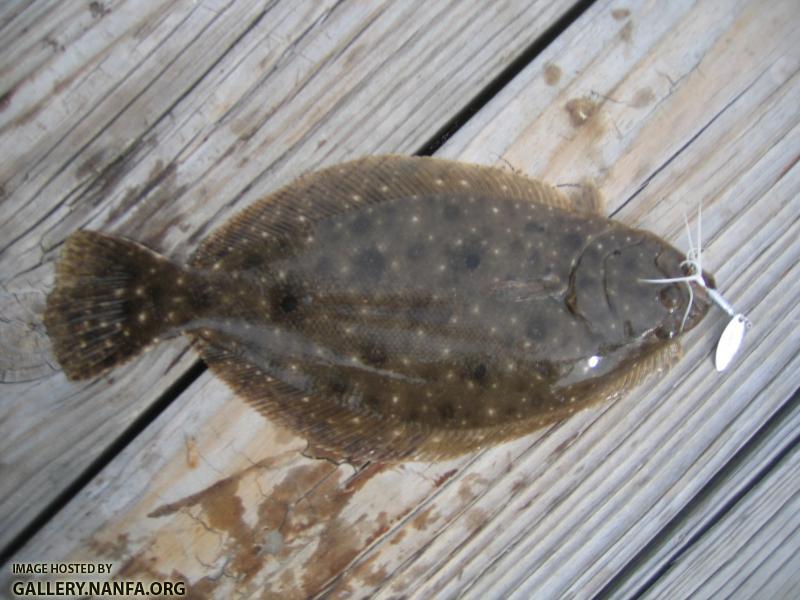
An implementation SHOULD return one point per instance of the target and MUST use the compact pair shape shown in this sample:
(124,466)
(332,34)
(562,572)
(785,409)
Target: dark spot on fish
(451,212)
(670,297)
(251,261)
(338,386)
(370,263)
(573,241)
(372,402)
(537,327)
(422,311)
(628,328)
(472,260)
(324,266)
(374,354)
(478,373)
(446,411)
(546,369)
(629,261)
(288,303)
(361,224)
(283,247)
(415,251)
(534,227)
(285,300)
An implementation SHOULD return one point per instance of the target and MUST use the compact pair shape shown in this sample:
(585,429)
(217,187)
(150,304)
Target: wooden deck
(158,120)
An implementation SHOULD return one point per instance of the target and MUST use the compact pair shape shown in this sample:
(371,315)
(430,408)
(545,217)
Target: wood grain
(753,552)
(724,494)
(664,105)
(158,121)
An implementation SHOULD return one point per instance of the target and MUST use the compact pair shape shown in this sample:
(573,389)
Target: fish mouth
(700,300)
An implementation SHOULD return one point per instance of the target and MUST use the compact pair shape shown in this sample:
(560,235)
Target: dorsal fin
(279,221)
(585,197)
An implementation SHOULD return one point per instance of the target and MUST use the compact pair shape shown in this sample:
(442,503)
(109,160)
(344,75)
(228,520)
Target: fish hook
(733,334)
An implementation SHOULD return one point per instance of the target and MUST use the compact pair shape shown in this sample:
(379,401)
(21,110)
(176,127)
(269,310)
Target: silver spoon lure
(732,336)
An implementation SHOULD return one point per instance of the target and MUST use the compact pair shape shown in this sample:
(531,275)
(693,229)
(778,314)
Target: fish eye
(670,297)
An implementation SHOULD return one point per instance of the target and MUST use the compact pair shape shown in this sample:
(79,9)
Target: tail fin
(108,302)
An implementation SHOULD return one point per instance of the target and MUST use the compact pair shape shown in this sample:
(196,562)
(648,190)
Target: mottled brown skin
(393,307)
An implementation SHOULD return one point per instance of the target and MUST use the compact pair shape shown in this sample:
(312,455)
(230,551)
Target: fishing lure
(394,307)
(732,336)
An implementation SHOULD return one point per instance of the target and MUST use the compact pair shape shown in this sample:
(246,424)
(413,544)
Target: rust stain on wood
(337,547)
(425,518)
(581,110)
(585,116)
(116,548)
(142,568)
(642,98)
(620,13)
(465,491)
(373,578)
(224,511)
(477,518)
(398,537)
(383,524)
(307,504)
(363,475)
(98,10)
(519,484)
(444,477)
(552,74)
(191,452)
(626,33)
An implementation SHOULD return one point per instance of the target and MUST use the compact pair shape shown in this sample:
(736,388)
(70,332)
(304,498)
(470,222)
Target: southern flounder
(393,307)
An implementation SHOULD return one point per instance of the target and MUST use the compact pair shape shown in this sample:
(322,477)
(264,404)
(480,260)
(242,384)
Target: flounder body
(392,308)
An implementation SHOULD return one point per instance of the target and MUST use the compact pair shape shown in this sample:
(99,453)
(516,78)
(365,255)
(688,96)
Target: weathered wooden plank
(158,123)
(752,552)
(206,495)
(714,502)
(40,460)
